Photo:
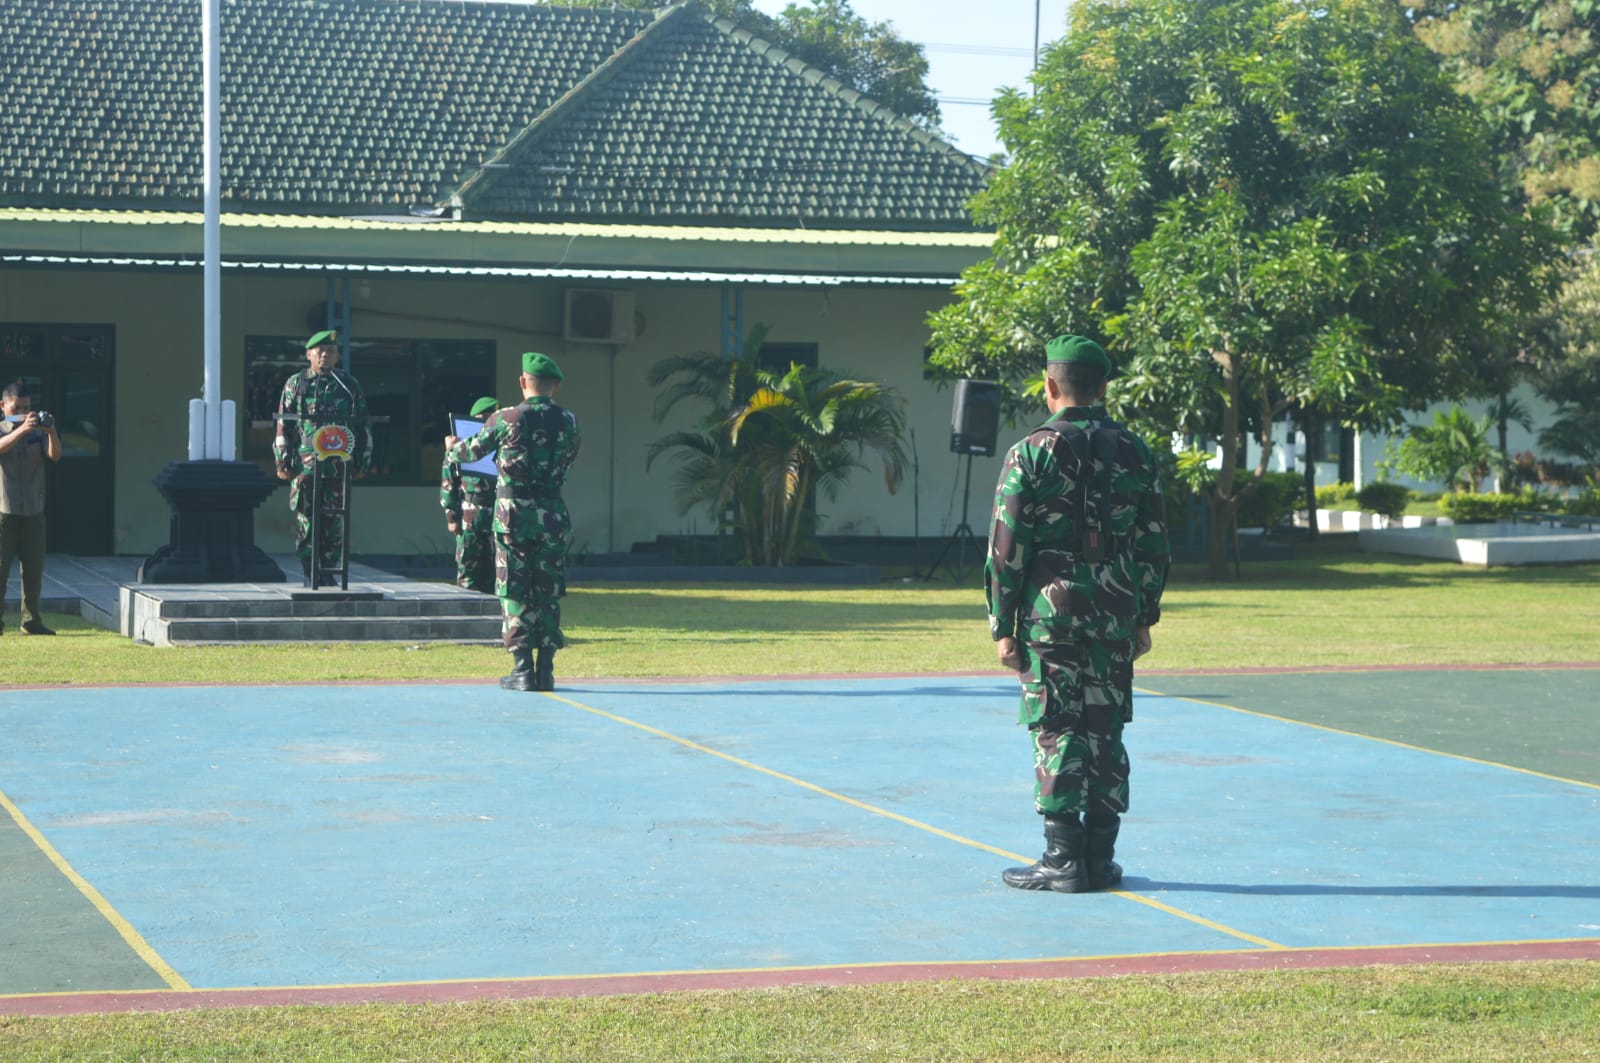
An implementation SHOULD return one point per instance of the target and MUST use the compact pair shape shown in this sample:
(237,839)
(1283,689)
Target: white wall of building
(877,333)
(1371,448)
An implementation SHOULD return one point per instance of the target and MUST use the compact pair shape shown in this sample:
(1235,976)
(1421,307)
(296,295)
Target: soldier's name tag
(1094,546)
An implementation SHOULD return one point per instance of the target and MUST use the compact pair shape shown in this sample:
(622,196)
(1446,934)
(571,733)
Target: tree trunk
(1222,503)
(1503,428)
(1219,535)
(1309,425)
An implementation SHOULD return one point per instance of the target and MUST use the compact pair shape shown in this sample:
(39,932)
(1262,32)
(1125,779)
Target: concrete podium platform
(1500,543)
(378,606)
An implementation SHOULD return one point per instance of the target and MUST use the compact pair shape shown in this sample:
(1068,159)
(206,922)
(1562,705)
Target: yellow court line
(135,940)
(897,817)
(1373,738)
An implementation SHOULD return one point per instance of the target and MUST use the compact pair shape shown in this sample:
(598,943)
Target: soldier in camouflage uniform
(468,501)
(535,443)
(319,395)
(1078,558)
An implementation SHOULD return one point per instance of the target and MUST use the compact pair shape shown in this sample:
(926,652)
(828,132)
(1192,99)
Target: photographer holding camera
(26,439)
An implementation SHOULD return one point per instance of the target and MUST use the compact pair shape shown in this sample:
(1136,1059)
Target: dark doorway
(70,372)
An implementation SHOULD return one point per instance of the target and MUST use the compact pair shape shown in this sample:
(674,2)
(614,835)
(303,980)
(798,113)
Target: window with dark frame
(778,357)
(412,387)
(26,350)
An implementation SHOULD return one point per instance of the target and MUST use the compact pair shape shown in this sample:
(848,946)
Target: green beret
(327,336)
(541,365)
(1079,349)
(483,405)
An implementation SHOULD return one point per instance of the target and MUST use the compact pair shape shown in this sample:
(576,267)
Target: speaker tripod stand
(961,537)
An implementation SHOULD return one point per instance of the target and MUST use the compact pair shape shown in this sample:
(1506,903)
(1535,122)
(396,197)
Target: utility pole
(1036,4)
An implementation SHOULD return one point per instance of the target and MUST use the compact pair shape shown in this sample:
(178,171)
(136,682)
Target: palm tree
(710,473)
(771,442)
(1506,410)
(1454,450)
(808,430)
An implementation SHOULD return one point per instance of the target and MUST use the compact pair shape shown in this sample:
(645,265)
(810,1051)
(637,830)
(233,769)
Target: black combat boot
(545,676)
(1100,843)
(521,677)
(1061,867)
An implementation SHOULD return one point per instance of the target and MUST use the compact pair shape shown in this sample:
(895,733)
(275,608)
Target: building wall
(1371,447)
(878,333)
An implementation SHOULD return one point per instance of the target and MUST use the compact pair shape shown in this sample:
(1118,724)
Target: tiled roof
(512,111)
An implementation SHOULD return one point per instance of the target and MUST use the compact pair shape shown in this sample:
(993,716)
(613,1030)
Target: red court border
(56,1004)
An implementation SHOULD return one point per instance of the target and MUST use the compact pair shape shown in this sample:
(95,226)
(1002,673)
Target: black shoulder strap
(1091,508)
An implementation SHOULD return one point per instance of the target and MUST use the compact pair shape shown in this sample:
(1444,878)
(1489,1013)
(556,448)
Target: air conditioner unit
(597,315)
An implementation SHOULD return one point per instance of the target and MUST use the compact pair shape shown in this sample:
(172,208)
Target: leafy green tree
(1575,433)
(1258,205)
(1569,351)
(1534,68)
(769,441)
(871,58)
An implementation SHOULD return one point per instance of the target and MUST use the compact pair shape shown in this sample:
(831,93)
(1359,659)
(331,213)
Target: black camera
(45,420)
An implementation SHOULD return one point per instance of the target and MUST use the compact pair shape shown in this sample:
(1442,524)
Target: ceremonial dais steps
(193,615)
(378,606)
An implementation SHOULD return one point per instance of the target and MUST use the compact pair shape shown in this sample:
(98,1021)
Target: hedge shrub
(1584,504)
(1384,498)
(1274,500)
(1466,508)
(1331,495)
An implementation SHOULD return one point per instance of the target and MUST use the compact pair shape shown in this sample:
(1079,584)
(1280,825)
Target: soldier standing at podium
(320,395)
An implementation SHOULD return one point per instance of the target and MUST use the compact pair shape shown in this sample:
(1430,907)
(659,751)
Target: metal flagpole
(211,45)
(212,496)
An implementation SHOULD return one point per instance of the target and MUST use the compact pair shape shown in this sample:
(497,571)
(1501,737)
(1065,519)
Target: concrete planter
(1359,520)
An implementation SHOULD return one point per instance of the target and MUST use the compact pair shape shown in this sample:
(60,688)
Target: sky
(973,48)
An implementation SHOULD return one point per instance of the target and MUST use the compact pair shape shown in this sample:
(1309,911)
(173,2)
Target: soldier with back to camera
(1078,557)
(534,443)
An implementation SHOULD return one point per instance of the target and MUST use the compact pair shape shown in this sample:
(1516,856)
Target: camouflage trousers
(530,558)
(475,549)
(1076,697)
(330,528)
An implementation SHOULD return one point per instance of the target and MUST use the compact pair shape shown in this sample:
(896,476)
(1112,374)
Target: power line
(978,49)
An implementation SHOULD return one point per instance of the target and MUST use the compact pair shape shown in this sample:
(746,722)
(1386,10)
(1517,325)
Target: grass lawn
(1335,606)
(1424,1014)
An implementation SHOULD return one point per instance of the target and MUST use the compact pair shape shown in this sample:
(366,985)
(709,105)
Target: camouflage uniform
(319,399)
(536,443)
(468,499)
(1074,617)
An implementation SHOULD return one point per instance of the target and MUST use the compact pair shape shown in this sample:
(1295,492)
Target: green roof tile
(524,112)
